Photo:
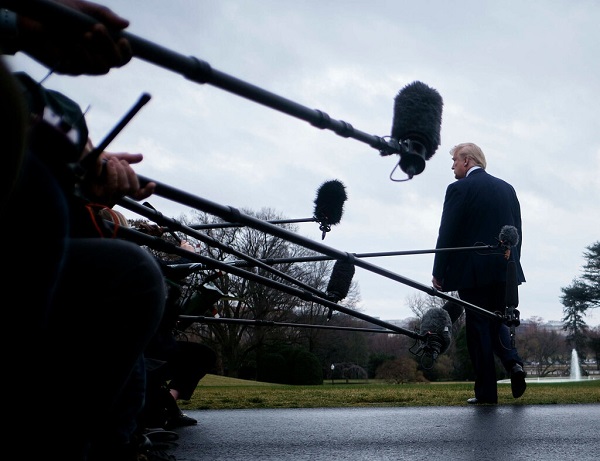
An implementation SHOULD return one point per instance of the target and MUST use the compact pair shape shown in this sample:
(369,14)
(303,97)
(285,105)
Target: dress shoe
(179,420)
(517,380)
(476,401)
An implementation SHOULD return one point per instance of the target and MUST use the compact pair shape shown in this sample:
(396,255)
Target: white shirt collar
(473,168)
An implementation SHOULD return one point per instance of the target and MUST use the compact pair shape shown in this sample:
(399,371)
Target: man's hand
(72,52)
(187,246)
(114,178)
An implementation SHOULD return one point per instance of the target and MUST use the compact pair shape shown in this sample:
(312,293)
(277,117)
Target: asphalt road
(515,432)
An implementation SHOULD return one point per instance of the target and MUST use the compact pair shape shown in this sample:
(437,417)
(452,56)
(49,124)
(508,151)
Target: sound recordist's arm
(93,51)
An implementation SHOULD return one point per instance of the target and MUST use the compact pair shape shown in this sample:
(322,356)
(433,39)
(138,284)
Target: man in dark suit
(476,207)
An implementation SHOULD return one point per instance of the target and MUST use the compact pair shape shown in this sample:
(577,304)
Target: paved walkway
(537,432)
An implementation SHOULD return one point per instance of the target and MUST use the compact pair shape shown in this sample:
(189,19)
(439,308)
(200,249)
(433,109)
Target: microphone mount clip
(324,227)
(512,319)
(428,349)
(412,159)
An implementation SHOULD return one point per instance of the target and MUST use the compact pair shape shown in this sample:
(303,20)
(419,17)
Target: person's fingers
(129,158)
(104,14)
(95,54)
(131,182)
(106,48)
(119,179)
(125,50)
(110,179)
(145,192)
(80,59)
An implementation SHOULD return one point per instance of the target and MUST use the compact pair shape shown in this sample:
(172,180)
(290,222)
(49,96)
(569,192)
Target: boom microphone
(509,237)
(416,125)
(340,281)
(437,327)
(329,204)
(513,316)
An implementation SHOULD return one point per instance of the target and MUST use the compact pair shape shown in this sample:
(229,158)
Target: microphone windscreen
(437,321)
(509,235)
(329,203)
(418,116)
(512,285)
(340,281)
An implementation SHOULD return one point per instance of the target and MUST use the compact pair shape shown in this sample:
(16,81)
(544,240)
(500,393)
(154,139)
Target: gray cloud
(518,78)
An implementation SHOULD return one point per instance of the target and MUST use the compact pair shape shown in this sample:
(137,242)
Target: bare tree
(240,345)
(594,345)
(542,348)
(399,371)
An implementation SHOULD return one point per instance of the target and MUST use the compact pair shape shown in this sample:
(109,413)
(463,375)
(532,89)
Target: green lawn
(218,392)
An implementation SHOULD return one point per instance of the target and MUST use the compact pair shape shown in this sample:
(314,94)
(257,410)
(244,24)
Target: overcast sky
(518,78)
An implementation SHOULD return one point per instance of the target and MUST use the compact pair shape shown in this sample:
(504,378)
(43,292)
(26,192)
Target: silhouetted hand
(72,52)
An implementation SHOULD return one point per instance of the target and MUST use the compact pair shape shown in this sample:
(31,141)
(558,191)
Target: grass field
(218,393)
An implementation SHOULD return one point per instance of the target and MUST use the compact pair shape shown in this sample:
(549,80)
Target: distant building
(400,323)
(550,325)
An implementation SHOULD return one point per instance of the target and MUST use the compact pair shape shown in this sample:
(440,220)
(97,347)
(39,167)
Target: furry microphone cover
(329,203)
(418,116)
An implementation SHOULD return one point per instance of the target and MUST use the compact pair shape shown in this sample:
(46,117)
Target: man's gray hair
(471,150)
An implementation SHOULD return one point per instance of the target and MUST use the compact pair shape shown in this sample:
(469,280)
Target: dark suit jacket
(475,210)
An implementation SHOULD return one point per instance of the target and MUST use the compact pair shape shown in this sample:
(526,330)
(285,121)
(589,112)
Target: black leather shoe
(476,401)
(179,421)
(517,381)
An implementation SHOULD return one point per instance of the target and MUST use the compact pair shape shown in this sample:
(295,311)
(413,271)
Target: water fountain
(575,368)
(575,374)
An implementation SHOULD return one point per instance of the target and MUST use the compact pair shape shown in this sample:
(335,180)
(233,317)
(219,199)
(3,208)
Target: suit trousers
(487,337)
